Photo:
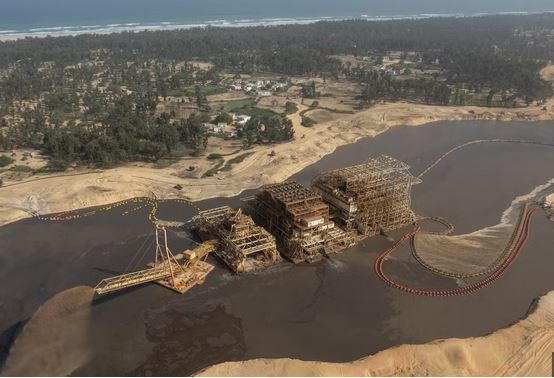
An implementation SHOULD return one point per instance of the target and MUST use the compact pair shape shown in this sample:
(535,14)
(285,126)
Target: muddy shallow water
(334,310)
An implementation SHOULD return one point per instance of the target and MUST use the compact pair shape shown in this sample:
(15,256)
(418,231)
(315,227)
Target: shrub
(5,161)
(290,107)
(57,165)
(307,121)
(21,168)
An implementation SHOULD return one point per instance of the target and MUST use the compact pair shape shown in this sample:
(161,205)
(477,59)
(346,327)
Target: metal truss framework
(243,245)
(166,269)
(300,221)
(372,197)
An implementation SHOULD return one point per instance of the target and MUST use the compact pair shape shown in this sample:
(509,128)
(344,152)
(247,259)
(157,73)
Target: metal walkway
(166,269)
(111,284)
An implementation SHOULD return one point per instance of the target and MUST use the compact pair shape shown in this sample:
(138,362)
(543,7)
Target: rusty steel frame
(239,238)
(286,209)
(165,270)
(372,197)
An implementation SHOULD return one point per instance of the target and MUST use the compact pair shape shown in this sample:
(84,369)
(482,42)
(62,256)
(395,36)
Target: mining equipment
(177,272)
(373,197)
(241,244)
(299,220)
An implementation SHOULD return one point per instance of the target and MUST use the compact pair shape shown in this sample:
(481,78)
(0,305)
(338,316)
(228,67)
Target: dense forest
(119,123)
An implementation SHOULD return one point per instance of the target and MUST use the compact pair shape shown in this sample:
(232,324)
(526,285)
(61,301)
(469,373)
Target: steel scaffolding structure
(300,221)
(242,245)
(371,197)
(179,273)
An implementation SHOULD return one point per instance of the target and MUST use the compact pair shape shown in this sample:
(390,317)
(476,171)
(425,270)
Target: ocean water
(20,18)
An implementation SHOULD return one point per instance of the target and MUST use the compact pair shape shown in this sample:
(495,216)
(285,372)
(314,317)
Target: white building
(241,119)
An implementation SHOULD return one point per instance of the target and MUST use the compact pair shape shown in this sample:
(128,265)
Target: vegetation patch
(338,111)
(5,161)
(234,106)
(21,169)
(213,171)
(305,120)
(260,112)
(99,95)
(290,107)
(191,91)
(236,160)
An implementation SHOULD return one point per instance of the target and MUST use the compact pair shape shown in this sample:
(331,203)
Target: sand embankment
(44,194)
(549,201)
(524,349)
(55,340)
(482,251)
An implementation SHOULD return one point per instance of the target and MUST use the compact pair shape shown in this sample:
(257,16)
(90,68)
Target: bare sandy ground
(54,341)
(524,349)
(481,251)
(463,255)
(45,194)
(549,201)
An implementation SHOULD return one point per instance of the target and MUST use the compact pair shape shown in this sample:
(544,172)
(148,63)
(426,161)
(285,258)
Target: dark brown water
(332,311)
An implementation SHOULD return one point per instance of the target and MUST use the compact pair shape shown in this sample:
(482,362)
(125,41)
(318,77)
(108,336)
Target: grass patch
(5,161)
(260,112)
(339,111)
(236,160)
(212,171)
(247,107)
(166,162)
(305,120)
(230,106)
(21,168)
(189,91)
(225,166)
(290,107)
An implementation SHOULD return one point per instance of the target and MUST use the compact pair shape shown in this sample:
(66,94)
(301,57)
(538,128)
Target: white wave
(167,25)
(54,28)
(90,26)
(508,213)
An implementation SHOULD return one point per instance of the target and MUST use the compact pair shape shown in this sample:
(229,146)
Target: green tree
(223,117)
